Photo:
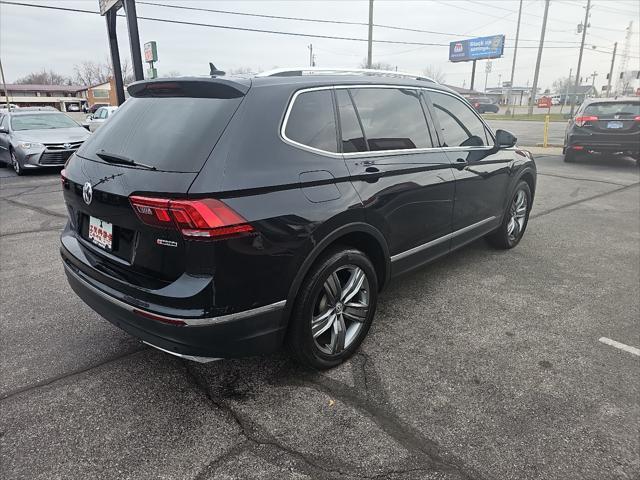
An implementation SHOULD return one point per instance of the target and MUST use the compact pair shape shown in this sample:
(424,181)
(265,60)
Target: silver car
(97,119)
(31,139)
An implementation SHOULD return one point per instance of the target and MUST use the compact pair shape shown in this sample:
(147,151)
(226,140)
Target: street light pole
(584,36)
(613,60)
(513,64)
(370,42)
(534,88)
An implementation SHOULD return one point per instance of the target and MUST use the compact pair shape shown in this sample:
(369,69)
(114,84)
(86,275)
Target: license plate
(615,125)
(101,233)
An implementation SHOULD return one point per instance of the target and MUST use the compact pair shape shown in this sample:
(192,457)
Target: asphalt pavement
(484,365)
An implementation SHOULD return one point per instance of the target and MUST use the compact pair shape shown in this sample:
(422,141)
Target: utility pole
(473,75)
(312,57)
(566,92)
(370,42)
(593,78)
(513,64)
(4,84)
(584,36)
(534,88)
(613,60)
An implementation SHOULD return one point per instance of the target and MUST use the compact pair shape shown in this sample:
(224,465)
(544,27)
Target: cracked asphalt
(483,365)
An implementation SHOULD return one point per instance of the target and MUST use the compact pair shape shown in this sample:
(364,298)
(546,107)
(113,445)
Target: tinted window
(460,127)
(312,121)
(352,137)
(392,119)
(609,109)
(171,133)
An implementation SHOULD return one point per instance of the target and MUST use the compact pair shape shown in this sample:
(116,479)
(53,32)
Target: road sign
(150,52)
(106,5)
(544,102)
(476,48)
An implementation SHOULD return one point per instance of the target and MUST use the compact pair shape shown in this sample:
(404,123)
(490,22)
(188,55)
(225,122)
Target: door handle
(372,170)
(461,163)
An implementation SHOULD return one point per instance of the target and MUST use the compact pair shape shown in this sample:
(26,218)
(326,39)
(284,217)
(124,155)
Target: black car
(604,125)
(484,105)
(221,217)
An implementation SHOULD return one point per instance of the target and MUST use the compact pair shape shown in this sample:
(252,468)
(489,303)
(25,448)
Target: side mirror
(4,130)
(505,139)
(89,117)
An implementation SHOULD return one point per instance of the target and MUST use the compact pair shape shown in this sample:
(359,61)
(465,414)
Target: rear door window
(312,122)
(392,118)
(459,125)
(174,134)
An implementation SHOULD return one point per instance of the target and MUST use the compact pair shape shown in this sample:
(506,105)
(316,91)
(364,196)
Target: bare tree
(44,78)
(434,72)
(563,84)
(377,65)
(94,73)
(241,71)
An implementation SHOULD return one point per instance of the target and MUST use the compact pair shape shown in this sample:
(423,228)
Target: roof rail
(300,71)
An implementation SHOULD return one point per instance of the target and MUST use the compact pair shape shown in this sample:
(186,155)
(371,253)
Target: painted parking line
(621,346)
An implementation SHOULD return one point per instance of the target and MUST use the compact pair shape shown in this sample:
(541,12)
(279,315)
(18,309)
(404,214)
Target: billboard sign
(476,48)
(106,5)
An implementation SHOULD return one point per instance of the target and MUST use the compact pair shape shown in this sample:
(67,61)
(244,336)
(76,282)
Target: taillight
(476,105)
(63,178)
(205,218)
(637,118)
(580,121)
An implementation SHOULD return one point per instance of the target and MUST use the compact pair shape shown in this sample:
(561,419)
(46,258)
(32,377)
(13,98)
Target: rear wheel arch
(361,236)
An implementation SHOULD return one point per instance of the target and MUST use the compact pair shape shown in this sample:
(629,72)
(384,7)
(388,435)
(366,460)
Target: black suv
(221,217)
(604,125)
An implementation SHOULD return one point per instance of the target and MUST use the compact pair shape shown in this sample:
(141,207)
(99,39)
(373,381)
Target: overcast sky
(32,39)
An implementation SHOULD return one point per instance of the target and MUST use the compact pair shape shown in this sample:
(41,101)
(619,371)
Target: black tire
(300,341)
(16,164)
(501,237)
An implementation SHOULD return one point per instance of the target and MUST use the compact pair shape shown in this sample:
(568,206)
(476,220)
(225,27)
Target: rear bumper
(600,143)
(251,332)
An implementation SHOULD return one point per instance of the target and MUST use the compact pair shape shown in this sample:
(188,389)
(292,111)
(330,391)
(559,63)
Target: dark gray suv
(221,217)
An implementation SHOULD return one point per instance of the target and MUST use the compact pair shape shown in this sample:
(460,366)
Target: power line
(255,30)
(315,20)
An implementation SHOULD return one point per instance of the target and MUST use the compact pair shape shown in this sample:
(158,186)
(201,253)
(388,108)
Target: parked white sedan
(102,114)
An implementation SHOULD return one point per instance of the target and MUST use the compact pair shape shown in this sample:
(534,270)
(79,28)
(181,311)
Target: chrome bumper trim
(439,240)
(189,322)
(186,357)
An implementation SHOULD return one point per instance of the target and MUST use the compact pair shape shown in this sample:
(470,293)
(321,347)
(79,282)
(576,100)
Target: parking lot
(485,365)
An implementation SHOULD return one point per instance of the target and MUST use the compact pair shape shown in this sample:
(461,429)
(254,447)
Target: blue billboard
(476,48)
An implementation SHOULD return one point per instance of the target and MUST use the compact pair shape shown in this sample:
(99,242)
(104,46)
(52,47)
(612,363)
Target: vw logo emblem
(87,193)
(66,146)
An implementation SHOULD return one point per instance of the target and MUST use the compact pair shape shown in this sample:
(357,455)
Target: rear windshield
(42,121)
(610,109)
(171,134)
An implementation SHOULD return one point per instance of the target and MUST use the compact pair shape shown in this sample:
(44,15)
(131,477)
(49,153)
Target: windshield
(42,121)
(610,109)
(170,134)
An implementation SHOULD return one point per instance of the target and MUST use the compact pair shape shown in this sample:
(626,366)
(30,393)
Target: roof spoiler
(188,87)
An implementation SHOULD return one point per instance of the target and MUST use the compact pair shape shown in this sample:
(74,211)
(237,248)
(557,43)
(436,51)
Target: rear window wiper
(119,159)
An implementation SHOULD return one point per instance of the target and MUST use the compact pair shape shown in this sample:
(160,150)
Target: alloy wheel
(518,213)
(340,309)
(16,165)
